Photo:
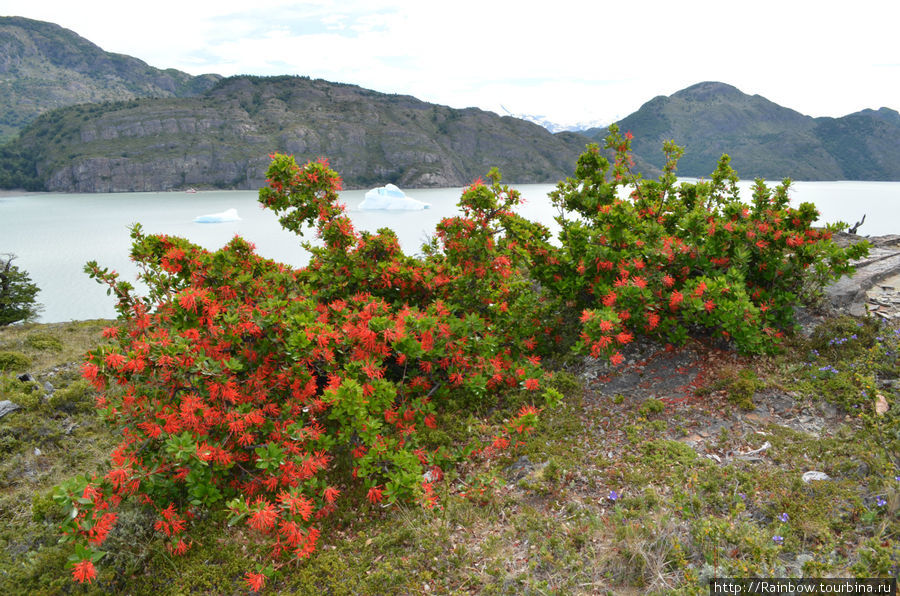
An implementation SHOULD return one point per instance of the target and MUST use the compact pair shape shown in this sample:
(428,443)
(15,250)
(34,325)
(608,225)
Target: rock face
(44,66)
(875,286)
(223,139)
(763,138)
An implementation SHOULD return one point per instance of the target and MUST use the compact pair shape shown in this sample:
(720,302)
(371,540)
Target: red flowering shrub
(237,381)
(652,257)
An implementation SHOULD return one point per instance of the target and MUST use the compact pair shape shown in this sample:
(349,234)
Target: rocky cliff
(223,137)
(44,66)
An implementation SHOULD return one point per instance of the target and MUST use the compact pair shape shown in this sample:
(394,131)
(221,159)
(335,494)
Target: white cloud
(570,60)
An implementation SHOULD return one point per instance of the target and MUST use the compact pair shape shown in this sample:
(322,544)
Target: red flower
(531,384)
(84,570)
(296,504)
(263,518)
(89,371)
(331,494)
(528,409)
(115,360)
(616,359)
(374,495)
(255,581)
(180,548)
(675,299)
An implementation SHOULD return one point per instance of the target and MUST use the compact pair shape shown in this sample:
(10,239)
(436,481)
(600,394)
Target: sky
(571,61)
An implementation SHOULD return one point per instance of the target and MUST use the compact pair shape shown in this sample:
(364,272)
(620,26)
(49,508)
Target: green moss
(652,406)
(662,452)
(45,509)
(739,385)
(14,362)
(76,397)
(44,342)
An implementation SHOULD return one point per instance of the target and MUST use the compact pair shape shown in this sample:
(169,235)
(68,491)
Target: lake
(55,234)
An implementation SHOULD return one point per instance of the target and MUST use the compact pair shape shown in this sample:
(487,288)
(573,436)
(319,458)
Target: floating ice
(391,197)
(227,215)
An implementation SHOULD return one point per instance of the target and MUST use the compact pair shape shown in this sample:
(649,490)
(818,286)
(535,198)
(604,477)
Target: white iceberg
(227,215)
(391,197)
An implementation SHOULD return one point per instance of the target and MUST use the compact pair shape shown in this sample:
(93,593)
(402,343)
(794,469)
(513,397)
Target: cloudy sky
(569,60)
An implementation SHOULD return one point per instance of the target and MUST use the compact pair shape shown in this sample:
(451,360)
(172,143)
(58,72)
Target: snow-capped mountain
(551,125)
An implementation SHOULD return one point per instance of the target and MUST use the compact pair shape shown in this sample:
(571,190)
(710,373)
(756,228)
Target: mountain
(222,139)
(44,66)
(763,139)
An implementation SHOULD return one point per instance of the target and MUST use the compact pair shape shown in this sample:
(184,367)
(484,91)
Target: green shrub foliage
(17,293)
(246,387)
(664,259)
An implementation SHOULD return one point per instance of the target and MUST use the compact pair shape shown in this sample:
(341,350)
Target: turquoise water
(54,235)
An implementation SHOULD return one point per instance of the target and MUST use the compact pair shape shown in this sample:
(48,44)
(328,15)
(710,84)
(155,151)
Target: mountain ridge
(44,66)
(222,139)
(763,138)
(136,127)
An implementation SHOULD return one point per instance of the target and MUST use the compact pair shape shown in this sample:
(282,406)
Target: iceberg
(227,215)
(391,197)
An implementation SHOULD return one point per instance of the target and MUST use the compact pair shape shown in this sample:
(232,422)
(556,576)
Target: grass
(611,496)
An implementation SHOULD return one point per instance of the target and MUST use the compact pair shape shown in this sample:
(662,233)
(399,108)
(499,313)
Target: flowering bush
(239,382)
(652,257)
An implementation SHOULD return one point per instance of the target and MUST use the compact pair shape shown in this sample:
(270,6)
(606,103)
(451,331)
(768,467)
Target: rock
(814,475)
(523,467)
(782,404)
(881,263)
(48,387)
(713,429)
(26,378)
(6,407)
(829,410)
(881,405)
(750,454)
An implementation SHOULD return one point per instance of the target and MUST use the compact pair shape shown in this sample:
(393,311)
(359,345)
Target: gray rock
(829,410)
(781,403)
(523,467)
(25,378)
(6,407)
(813,475)
(849,290)
(49,388)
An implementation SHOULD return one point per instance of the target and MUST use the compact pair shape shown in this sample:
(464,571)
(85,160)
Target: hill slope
(222,139)
(44,66)
(763,138)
